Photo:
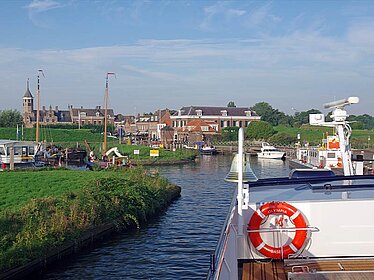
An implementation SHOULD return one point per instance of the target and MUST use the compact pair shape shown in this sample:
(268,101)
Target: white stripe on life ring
(293,248)
(294,216)
(259,212)
(259,247)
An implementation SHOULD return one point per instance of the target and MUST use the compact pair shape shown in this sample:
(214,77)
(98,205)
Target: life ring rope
(277,208)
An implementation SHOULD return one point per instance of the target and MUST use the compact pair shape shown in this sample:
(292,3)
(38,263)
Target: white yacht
(311,225)
(268,151)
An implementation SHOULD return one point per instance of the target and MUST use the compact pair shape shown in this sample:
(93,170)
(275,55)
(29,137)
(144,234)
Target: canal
(177,244)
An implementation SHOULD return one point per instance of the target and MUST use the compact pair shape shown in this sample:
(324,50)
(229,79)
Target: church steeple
(28,93)
(28,101)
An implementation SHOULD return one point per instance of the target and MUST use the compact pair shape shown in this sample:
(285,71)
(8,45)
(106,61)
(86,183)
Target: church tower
(28,105)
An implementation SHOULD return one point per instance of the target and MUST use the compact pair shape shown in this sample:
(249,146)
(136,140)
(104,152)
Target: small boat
(313,224)
(22,152)
(268,151)
(208,150)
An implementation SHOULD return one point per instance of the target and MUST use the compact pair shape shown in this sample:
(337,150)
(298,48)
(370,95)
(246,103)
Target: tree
(259,130)
(271,115)
(10,118)
(303,117)
(231,104)
(230,133)
(283,138)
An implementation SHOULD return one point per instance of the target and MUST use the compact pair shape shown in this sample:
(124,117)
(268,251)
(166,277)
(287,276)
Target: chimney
(81,107)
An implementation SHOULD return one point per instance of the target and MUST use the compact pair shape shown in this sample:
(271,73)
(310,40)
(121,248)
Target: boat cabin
(23,152)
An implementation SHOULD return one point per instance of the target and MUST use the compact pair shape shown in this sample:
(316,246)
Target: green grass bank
(42,211)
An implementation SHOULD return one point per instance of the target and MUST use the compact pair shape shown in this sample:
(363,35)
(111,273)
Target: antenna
(341,103)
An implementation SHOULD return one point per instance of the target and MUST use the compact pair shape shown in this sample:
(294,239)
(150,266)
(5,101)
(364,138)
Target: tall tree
(303,117)
(259,130)
(10,118)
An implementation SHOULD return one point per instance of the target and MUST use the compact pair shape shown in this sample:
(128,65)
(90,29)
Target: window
(224,113)
(2,151)
(222,123)
(204,128)
(233,123)
(199,113)
(330,155)
(240,123)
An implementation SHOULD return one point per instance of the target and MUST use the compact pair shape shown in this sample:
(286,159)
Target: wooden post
(11,164)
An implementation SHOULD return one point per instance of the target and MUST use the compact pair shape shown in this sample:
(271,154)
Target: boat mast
(106,109)
(40,71)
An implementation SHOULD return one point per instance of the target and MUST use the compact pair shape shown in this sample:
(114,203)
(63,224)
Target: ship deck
(308,269)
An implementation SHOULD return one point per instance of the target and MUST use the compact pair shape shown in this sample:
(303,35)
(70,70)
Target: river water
(177,244)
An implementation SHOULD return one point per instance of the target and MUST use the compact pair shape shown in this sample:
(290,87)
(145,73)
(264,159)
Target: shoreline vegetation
(49,211)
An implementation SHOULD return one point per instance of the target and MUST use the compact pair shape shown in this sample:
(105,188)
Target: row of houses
(187,125)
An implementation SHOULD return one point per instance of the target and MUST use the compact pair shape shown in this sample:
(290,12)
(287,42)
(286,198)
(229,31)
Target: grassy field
(315,134)
(18,188)
(43,210)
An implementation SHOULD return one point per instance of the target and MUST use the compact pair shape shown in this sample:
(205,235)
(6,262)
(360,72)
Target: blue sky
(291,54)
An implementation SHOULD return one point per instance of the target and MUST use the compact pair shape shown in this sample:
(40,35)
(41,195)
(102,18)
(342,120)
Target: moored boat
(21,153)
(269,151)
(208,150)
(311,225)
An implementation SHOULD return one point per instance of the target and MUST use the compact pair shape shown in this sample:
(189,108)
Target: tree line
(275,117)
(10,118)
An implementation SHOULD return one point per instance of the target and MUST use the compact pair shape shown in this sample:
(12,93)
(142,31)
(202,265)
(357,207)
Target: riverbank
(46,214)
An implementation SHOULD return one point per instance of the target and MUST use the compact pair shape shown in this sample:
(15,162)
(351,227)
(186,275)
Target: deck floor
(324,269)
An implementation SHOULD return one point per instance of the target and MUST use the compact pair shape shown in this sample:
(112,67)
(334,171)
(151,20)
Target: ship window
(330,155)
(2,151)
(17,151)
(24,151)
(31,150)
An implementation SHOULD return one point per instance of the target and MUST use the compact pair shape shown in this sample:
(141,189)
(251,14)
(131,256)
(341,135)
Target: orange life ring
(280,208)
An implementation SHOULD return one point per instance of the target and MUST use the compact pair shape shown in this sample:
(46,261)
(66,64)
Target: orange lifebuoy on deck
(280,208)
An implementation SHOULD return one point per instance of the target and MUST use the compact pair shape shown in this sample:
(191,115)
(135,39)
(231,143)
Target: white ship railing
(217,256)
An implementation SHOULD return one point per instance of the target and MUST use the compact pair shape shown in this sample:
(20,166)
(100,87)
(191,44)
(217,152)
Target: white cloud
(38,6)
(217,11)
(174,73)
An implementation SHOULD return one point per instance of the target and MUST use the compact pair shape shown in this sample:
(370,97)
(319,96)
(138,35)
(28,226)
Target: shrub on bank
(127,198)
